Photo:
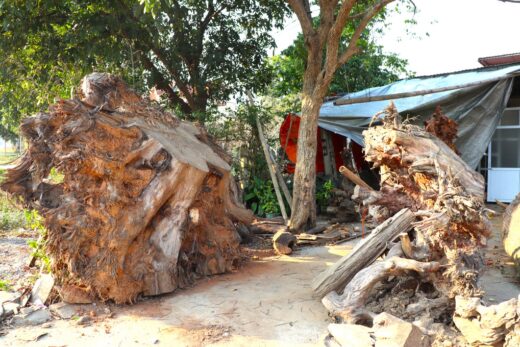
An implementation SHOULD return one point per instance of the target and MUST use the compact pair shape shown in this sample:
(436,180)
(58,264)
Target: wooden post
(354,178)
(270,165)
(285,189)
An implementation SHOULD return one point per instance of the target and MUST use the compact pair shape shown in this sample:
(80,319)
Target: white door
(504,159)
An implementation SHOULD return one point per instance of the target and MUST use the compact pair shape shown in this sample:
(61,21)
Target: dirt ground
(267,303)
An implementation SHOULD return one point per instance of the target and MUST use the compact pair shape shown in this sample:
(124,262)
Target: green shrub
(260,197)
(35,222)
(323,193)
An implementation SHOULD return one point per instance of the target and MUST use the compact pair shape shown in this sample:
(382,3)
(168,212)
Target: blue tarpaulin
(477,109)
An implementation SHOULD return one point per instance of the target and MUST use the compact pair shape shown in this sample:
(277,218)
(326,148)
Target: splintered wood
(145,205)
(434,255)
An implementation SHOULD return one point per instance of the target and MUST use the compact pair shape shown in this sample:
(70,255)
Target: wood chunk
(390,331)
(42,289)
(483,325)
(351,335)
(368,250)
(284,242)
(350,306)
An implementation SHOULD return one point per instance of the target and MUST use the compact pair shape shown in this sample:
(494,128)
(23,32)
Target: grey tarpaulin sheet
(476,109)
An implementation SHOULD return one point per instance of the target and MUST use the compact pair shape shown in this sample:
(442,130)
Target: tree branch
(352,47)
(304,17)
(161,56)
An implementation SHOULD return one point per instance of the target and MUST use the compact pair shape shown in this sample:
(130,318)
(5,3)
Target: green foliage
(370,68)
(199,51)
(5,285)
(323,193)
(237,132)
(260,197)
(55,176)
(35,222)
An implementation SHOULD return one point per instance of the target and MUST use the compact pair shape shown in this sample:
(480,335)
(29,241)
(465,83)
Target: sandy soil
(267,303)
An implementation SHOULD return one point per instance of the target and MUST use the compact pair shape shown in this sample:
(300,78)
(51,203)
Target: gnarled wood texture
(511,230)
(438,252)
(421,172)
(145,205)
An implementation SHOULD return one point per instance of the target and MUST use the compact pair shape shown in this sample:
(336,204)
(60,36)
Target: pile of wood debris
(433,219)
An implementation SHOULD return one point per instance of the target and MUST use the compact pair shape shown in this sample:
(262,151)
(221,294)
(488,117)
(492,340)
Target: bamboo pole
(354,178)
(271,170)
(283,185)
(341,102)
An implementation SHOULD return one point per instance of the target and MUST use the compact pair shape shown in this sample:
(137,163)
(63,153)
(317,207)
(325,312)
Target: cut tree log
(145,205)
(284,242)
(511,230)
(367,251)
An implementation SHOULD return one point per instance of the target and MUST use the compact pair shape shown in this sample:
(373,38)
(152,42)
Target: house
(484,101)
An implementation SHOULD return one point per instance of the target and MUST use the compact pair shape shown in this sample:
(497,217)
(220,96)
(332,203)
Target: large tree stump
(438,255)
(145,205)
(511,230)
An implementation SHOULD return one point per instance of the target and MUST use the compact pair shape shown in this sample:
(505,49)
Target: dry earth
(267,303)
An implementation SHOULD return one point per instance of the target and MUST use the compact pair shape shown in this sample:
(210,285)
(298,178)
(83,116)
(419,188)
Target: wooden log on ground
(284,242)
(339,274)
(145,204)
(511,230)
(350,305)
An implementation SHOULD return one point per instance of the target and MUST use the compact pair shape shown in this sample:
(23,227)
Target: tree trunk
(303,208)
(145,204)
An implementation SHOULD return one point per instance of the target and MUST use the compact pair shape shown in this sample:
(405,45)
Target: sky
(450,35)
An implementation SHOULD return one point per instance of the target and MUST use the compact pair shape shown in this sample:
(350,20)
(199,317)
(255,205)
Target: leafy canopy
(198,51)
(369,68)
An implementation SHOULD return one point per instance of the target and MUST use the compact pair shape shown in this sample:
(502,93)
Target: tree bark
(145,205)
(324,57)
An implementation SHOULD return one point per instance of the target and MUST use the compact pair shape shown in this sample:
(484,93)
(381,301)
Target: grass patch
(11,216)
(5,285)
(6,158)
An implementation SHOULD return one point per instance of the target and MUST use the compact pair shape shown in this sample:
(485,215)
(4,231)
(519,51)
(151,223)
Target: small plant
(5,285)
(260,197)
(323,193)
(35,221)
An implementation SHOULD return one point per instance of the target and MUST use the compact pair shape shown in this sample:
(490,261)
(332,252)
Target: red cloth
(289,142)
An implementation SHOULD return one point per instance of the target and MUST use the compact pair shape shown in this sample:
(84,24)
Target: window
(505,145)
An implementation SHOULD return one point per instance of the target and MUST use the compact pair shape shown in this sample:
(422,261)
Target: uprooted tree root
(438,255)
(146,203)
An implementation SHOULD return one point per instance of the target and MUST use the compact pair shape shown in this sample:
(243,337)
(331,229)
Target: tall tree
(370,68)
(325,54)
(198,51)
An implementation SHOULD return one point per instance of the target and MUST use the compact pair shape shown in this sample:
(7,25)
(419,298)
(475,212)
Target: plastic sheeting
(476,109)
